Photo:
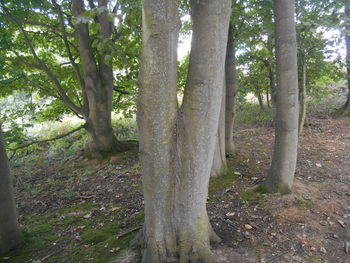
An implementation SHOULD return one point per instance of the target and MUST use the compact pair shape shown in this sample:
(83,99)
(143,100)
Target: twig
(52,254)
(129,231)
(47,140)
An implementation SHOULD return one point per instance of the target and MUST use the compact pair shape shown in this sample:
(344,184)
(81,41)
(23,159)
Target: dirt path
(312,224)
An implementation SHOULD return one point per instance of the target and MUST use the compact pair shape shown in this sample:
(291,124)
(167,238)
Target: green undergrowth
(251,114)
(82,233)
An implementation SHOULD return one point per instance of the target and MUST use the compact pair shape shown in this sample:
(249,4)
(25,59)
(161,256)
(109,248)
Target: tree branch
(47,140)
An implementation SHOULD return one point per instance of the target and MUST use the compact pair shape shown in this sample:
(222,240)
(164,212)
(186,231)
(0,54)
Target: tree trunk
(345,110)
(302,95)
(231,92)
(10,234)
(281,173)
(272,81)
(219,162)
(98,82)
(260,100)
(177,146)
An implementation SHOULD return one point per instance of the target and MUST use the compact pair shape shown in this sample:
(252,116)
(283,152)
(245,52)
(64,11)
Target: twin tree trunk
(281,174)
(97,83)
(10,234)
(177,145)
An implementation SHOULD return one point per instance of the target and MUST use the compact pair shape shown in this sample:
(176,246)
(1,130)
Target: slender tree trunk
(177,146)
(231,92)
(98,83)
(10,234)
(219,162)
(345,110)
(268,98)
(281,174)
(260,100)
(272,80)
(302,95)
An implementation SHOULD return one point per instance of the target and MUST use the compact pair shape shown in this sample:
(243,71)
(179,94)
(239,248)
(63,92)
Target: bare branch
(47,140)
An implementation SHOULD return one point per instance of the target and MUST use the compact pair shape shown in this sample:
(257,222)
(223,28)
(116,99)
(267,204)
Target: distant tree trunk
(231,92)
(345,110)
(272,80)
(260,100)
(302,94)
(98,82)
(177,145)
(281,173)
(10,234)
(268,98)
(219,162)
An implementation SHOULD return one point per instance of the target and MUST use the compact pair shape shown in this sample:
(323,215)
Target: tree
(10,234)
(177,144)
(67,50)
(345,110)
(281,173)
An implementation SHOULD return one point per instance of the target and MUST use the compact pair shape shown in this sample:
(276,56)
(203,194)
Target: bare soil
(312,224)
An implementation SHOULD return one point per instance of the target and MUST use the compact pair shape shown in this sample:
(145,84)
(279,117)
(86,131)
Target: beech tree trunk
(345,110)
(177,145)
(302,94)
(10,234)
(281,173)
(97,83)
(219,162)
(231,92)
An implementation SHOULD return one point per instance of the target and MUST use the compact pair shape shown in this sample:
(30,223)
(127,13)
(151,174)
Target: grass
(251,114)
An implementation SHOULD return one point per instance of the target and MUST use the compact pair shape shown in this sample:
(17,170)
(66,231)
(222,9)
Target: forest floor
(88,211)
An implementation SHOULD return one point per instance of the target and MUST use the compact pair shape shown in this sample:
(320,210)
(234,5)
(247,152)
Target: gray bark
(281,173)
(177,145)
(302,94)
(345,110)
(231,92)
(10,234)
(219,162)
(98,82)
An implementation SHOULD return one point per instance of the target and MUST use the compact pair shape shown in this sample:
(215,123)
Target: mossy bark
(10,234)
(281,173)
(177,144)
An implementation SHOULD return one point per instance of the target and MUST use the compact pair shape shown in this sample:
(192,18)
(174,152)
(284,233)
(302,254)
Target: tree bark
(219,162)
(98,82)
(345,110)
(281,173)
(260,99)
(10,234)
(231,92)
(177,145)
(302,94)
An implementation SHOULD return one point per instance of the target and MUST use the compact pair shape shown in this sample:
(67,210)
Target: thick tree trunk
(177,146)
(219,162)
(10,234)
(302,95)
(281,174)
(98,83)
(231,92)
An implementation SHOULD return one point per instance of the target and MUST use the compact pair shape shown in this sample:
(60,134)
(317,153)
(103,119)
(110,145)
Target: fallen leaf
(248,227)
(230,214)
